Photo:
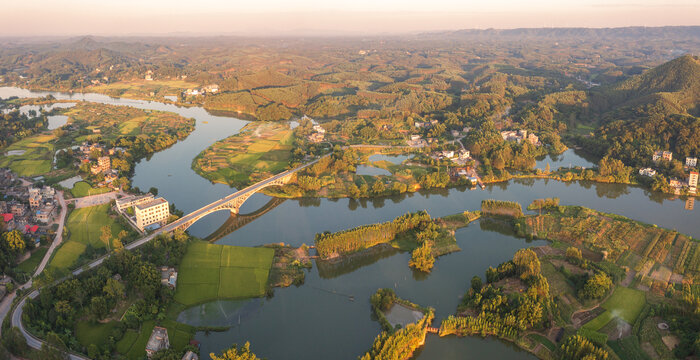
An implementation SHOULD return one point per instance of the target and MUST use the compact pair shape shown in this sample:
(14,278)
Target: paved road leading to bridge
(36,343)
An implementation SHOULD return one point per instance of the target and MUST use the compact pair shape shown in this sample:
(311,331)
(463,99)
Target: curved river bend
(318,319)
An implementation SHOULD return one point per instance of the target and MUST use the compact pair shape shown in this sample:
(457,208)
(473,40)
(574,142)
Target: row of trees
(344,242)
(498,207)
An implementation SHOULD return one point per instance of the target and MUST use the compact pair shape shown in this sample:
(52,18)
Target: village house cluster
(691,163)
(318,135)
(147,210)
(209,89)
(417,141)
(24,207)
(519,136)
(102,165)
(458,157)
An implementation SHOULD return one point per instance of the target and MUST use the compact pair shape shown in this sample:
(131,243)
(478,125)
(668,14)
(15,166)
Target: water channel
(319,320)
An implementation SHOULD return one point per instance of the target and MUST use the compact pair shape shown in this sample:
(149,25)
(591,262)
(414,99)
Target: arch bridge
(233,202)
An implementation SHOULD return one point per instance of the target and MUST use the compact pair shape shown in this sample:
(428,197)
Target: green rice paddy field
(209,272)
(36,155)
(624,303)
(84,227)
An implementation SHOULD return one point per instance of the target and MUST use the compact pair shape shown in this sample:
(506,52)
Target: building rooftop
(130,198)
(158,339)
(155,202)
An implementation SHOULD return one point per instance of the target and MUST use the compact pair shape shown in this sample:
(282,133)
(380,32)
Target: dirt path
(589,309)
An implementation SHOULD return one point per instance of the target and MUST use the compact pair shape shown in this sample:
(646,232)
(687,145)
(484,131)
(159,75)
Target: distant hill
(672,88)
(676,32)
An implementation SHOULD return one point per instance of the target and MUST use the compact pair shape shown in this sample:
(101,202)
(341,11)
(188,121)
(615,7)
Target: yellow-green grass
(94,333)
(209,272)
(84,226)
(179,334)
(30,264)
(138,348)
(127,341)
(36,159)
(624,303)
(81,188)
(260,150)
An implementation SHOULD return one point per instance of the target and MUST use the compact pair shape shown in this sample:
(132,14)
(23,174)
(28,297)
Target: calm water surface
(318,319)
(567,159)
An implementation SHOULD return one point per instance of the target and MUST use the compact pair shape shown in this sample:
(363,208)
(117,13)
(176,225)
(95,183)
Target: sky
(329,17)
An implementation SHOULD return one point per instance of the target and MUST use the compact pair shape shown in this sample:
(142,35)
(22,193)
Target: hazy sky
(279,17)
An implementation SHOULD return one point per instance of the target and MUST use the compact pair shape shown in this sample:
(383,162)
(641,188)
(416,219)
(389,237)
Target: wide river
(329,317)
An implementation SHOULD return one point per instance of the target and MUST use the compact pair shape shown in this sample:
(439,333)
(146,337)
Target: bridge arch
(233,202)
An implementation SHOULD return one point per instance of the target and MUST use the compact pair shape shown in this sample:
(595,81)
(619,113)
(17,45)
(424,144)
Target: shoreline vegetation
(600,272)
(424,237)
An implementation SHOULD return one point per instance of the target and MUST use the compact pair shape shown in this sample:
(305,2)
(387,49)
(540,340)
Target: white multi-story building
(153,212)
(133,200)
(691,161)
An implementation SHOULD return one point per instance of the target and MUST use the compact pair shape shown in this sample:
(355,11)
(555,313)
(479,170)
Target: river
(318,320)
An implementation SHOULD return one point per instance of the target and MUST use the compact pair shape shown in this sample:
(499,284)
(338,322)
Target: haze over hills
(635,32)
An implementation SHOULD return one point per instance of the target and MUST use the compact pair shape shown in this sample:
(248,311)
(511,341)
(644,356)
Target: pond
(56,121)
(394,159)
(371,171)
(567,159)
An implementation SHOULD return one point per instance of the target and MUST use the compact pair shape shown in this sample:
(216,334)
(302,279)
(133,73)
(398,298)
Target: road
(59,235)
(17,314)
(7,301)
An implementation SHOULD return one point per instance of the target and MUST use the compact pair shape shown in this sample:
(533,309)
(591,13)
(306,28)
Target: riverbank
(567,282)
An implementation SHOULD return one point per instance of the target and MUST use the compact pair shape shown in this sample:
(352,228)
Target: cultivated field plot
(81,189)
(627,242)
(84,227)
(209,272)
(114,121)
(142,88)
(260,150)
(624,303)
(30,156)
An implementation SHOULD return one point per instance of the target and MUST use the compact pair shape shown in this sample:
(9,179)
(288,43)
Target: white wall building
(153,212)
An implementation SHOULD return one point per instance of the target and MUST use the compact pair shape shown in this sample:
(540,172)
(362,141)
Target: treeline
(15,126)
(577,347)
(92,295)
(544,204)
(401,344)
(496,313)
(344,242)
(498,207)
(12,245)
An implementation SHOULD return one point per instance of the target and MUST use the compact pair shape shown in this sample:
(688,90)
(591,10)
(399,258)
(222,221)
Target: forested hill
(673,87)
(656,110)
